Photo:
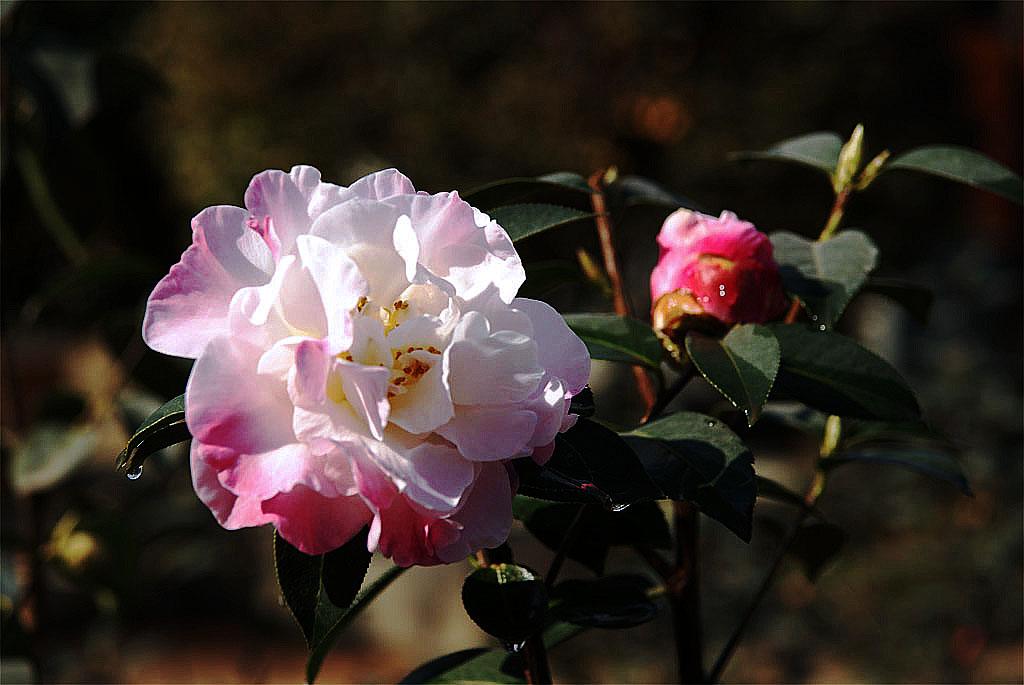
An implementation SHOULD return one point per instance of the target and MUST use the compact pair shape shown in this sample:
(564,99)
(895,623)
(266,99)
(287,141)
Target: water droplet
(814,317)
(821,327)
(515,647)
(135,473)
(711,424)
(618,507)
(721,291)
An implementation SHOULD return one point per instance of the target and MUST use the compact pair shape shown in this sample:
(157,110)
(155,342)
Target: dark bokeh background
(121,121)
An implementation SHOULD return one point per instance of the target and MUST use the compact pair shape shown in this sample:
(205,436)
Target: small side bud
(833,431)
(849,160)
(593,272)
(872,170)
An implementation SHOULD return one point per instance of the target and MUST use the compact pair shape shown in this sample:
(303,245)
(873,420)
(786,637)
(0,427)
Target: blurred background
(121,121)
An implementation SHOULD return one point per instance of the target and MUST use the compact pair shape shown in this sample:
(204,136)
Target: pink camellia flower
(713,272)
(361,359)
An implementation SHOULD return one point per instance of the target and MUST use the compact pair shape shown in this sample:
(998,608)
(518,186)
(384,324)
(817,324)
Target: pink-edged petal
(230,510)
(366,389)
(189,306)
(485,518)
(319,196)
(491,368)
(340,285)
(274,194)
(490,433)
(431,474)
(315,524)
(409,537)
(312,365)
(559,350)
(382,184)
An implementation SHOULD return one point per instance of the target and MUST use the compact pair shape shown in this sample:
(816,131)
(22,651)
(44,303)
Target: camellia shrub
(367,380)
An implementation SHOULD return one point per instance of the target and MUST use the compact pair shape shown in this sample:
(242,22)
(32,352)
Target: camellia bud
(712,274)
(872,170)
(849,160)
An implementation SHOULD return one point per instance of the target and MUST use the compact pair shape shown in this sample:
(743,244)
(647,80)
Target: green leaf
(796,416)
(916,299)
(543,277)
(742,365)
(770,489)
(617,601)
(824,275)
(818,150)
(928,461)
(511,190)
(522,221)
(617,338)
(695,458)
(963,165)
(833,373)
(597,529)
(590,463)
(507,601)
(636,190)
(164,427)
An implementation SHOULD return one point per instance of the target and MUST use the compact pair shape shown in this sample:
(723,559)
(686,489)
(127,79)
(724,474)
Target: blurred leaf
(698,459)
(164,427)
(582,403)
(590,463)
(861,433)
(511,190)
(796,416)
(636,190)
(617,338)
(928,461)
(617,601)
(815,545)
(543,277)
(824,275)
(507,601)
(963,165)
(742,365)
(833,373)
(771,489)
(916,299)
(50,453)
(598,529)
(819,150)
(522,221)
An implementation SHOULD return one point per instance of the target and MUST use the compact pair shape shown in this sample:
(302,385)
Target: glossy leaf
(590,463)
(596,531)
(522,221)
(818,150)
(506,601)
(916,299)
(617,338)
(543,277)
(695,458)
(928,461)
(796,416)
(963,165)
(636,190)
(512,190)
(833,373)
(617,601)
(164,427)
(742,365)
(824,275)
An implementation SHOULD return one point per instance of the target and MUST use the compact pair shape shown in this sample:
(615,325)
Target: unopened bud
(872,170)
(849,160)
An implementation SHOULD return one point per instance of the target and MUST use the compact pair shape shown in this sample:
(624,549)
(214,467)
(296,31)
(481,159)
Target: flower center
(410,364)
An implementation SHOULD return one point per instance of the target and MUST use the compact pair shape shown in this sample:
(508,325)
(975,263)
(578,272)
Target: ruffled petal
(273,195)
(315,524)
(483,523)
(490,433)
(559,350)
(491,368)
(381,185)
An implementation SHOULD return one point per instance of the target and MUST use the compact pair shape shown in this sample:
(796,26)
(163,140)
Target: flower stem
(611,265)
(563,549)
(685,597)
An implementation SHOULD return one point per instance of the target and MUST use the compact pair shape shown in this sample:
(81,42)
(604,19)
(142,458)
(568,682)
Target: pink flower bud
(713,273)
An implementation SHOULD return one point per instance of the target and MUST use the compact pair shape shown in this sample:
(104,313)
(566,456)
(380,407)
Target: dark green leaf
(796,416)
(617,338)
(928,461)
(742,365)
(506,601)
(963,165)
(543,277)
(582,404)
(511,190)
(319,651)
(819,150)
(916,299)
(590,464)
(815,545)
(618,601)
(771,489)
(164,427)
(698,459)
(874,433)
(636,190)
(521,221)
(598,529)
(824,275)
(833,373)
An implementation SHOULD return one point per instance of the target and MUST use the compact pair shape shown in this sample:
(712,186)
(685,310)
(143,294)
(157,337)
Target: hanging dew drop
(711,424)
(821,327)
(135,473)
(515,647)
(618,507)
